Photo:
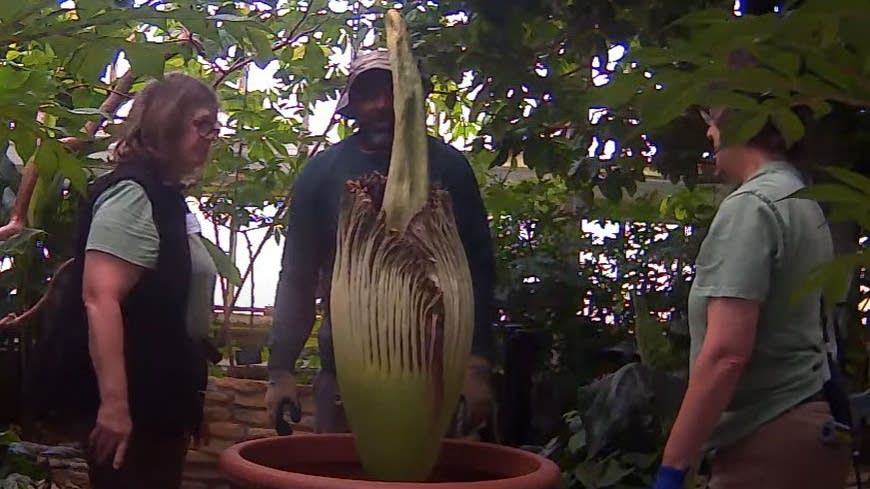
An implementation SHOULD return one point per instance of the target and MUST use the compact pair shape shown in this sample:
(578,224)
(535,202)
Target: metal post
(520,348)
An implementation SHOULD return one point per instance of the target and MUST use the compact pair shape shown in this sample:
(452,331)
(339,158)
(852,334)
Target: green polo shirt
(123,226)
(761,246)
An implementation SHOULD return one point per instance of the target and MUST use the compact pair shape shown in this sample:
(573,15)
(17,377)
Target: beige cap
(365,61)
(371,60)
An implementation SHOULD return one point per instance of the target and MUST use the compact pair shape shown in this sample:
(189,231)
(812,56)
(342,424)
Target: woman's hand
(10,229)
(111,436)
(106,282)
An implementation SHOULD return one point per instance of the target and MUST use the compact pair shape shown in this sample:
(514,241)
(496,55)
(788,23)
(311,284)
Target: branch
(250,266)
(12,320)
(249,270)
(292,37)
(109,105)
(117,96)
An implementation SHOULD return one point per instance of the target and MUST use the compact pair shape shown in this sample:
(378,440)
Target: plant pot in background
(331,462)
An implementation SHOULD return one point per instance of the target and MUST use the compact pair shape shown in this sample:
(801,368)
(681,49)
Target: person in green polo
(758,360)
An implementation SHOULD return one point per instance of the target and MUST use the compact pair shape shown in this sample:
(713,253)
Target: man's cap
(370,60)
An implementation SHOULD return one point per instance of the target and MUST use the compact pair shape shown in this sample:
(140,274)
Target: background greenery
(559,129)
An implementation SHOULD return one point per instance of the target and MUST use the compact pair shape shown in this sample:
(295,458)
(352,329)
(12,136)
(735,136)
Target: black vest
(166,373)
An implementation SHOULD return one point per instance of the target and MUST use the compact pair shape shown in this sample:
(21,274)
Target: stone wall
(234,412)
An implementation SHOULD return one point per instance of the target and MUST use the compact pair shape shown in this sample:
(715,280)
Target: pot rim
(232,464)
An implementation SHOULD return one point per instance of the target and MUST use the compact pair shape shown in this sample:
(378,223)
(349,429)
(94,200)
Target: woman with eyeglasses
(756,399)
(147,283)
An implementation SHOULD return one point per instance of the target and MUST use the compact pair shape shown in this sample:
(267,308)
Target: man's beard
(378,138)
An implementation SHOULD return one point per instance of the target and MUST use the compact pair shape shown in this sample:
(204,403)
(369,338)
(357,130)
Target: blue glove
(670,478)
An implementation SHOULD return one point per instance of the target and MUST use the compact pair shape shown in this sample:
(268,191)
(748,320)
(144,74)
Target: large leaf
(262,46)
(72,169)
(225,266)
(741,126)
(789,125)
(625,408)
(21,243)
(146,59)
(653,345)
(833,278)
(11,78)
(835,193)
(851,178)
(90,61)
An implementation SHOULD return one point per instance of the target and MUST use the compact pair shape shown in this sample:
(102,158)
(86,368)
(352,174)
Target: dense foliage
(518,83)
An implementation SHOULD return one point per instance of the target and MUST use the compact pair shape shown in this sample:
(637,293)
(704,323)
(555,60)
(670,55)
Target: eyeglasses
(207,128)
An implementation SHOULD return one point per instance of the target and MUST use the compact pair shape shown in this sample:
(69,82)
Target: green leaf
(7,437)
(88,111)
(741,126)
(833,278)
(72,169)
(46,158)
(90,61)
(586,473)
(641,460)
(654,56)
(613,472)
(229,18)
(262,46)
(785,62)
(146,59)
(848,177)
(660,107)
(621,89)
(789,125)
(11,78)
(21,243)
(831,73)
(225,266)
(314,60)
(730,100)
(704,17)
(820,108)
(10,10)
(577,441)
(834,193)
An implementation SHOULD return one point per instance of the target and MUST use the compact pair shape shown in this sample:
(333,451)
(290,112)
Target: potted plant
(402,313)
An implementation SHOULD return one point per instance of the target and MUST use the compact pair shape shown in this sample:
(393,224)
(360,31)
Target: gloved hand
(670,478)
(477,392)
(281,393)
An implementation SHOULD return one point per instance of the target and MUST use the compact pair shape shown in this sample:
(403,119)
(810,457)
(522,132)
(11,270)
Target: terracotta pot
(331,462)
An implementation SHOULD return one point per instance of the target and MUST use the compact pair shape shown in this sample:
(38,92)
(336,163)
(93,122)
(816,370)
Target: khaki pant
(786,453)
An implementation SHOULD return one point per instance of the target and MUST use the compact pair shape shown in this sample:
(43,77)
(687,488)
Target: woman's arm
(727,349)
(106,282)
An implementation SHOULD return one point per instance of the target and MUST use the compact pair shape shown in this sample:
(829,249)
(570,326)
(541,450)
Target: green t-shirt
(761,246)
(123,226)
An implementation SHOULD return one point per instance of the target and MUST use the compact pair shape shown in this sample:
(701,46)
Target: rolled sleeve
(294,315)
(740,250)
(123,225)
